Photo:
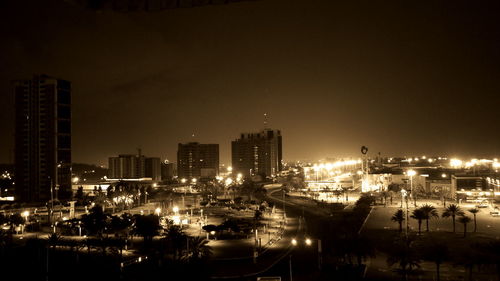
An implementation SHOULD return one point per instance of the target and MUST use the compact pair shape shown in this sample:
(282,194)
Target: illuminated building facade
(197,160)
(257,153)
(131,166)
(42,139)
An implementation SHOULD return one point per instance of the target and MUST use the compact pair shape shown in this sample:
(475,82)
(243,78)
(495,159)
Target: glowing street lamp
(308,242)
(193,180)
(158,211)
(183,180)
(175,209)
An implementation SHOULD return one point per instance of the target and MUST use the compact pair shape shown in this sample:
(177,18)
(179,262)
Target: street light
(411,173)
(158,211)
(175,209)
(308,242)
(25,214)
(404,195)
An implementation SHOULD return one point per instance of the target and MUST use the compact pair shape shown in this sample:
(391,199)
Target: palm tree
(53,240)
(465,220)
(147,226)
(175,238)
(430,212)
(419,215)
(474,212)
(198,249)
(452,211)
(438,253)
(403,254)
(399,217)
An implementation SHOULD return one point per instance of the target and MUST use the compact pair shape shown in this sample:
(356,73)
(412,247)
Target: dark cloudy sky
(402,77)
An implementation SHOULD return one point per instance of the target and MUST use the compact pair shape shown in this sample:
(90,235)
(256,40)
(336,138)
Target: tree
(147,226)
(399,217)
(403,255)
(53,240)
(437,253)
(385,195)
(419,215)
(258,215)
(452,211)
(362,248)
(79,194)
(464,220)
(474,212)
(95,222)
(175,238)
(429,212)
(491,251)
(198,249)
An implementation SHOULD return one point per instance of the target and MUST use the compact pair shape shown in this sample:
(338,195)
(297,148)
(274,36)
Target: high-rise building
(125,166)
(152,168)
(131,166)
(257,153)
(42,139)
(168,170)
(196,160)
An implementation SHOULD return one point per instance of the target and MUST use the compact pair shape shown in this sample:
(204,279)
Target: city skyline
(284,140)
(401,79)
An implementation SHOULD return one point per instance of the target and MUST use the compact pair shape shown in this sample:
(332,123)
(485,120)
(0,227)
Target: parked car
(495,212)
(483,204)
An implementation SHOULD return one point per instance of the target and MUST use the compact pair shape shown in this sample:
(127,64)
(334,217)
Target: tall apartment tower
(197,160)
(131,166)
(257,153)
(42,139)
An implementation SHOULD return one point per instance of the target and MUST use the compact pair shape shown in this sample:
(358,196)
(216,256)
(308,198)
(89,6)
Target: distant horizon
(324,159)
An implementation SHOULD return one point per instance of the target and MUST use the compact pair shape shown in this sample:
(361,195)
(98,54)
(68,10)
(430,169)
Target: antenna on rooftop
(265,120)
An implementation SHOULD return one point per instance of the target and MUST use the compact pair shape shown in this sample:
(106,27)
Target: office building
(42,139)
(152,168)
(196,160)
(131,166)
(257,153)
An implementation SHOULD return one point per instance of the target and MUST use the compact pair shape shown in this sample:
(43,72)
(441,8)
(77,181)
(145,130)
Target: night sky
(401,77)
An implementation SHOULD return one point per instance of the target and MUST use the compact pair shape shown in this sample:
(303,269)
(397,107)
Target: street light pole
(411,173)
(284,210)
(320,253)
(51,200)
(407,217)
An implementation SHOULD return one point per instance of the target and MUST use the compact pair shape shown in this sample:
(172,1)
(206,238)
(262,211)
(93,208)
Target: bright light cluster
(6,175)
(123,199)
(457,163)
